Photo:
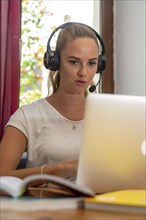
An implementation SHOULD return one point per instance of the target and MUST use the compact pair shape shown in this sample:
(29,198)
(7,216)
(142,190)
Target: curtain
(9,59)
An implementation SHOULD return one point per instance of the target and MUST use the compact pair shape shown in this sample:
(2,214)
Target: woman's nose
(83,71)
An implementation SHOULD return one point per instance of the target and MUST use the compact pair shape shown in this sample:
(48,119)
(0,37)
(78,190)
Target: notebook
(113,151)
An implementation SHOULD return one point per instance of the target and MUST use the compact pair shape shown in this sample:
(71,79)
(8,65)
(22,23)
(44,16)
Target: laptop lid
(113,151)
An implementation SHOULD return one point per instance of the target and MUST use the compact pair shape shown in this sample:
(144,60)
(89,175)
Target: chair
(22,163)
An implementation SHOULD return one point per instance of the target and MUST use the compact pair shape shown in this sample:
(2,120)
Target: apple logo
(143,148)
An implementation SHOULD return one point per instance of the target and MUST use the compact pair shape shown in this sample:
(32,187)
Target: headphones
(52,60)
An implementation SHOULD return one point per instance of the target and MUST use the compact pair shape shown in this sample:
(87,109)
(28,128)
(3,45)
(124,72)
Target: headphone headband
(51,58)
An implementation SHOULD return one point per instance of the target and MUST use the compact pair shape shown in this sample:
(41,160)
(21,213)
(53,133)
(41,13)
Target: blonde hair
(66,35)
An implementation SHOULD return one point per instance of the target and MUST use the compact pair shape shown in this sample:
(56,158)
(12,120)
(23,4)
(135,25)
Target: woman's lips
(80,82)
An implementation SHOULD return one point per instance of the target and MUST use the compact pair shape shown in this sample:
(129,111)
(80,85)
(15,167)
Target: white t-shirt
(51,137)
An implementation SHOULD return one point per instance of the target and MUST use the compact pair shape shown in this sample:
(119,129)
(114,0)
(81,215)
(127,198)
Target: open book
(16,187)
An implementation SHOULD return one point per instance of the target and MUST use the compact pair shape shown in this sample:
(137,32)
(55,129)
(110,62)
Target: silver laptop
(113,151)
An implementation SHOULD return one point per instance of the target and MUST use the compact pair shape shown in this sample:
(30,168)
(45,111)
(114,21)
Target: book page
(11,185)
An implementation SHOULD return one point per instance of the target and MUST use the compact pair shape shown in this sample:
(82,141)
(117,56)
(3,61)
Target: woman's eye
(92,63)
(73,62)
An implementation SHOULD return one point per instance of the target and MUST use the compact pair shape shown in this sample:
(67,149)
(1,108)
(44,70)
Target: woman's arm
(12,147)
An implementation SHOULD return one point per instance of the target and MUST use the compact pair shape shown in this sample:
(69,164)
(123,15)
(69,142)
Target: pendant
(74,127)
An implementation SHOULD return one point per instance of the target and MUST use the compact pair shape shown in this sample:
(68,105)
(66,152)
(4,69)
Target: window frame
(106,18)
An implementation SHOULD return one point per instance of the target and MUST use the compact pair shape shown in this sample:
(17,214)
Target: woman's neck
(70,106)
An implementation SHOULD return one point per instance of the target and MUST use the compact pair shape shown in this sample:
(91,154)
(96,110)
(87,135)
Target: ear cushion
(101,63)
(51,60)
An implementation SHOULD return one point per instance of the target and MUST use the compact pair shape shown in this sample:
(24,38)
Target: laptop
(113,151)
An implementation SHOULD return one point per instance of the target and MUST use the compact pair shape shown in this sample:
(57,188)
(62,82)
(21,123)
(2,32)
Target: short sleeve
(18,120)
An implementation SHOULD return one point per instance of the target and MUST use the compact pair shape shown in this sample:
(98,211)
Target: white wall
(129,47)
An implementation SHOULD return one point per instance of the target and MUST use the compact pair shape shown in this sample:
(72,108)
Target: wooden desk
(68,214)
(79,214)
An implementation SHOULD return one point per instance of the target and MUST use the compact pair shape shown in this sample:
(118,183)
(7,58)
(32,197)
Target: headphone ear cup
(101,63)
(46,60)
(51,60)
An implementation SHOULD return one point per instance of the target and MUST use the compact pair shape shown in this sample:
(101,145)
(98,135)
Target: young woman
(50,129)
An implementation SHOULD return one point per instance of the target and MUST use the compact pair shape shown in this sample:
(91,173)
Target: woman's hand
(65,169)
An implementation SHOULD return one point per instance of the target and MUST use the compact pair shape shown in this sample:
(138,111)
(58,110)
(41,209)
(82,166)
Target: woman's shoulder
(30,116)
(30,109)
(38,108)
(38,104)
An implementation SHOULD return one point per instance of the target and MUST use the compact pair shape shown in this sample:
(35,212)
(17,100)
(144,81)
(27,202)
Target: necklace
(66,114)
(74,127)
